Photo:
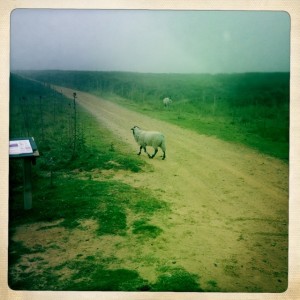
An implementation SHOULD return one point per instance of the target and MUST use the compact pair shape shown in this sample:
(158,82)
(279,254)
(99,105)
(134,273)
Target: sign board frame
(33,154)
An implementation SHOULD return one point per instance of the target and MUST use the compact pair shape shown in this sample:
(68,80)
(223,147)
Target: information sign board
(26,149)
(20,147)
(23,147)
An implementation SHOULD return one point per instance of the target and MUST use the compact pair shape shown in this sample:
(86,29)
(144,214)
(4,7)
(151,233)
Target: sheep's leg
(141,147)
(164,154)
(163,149)
(154,153)
(145,150)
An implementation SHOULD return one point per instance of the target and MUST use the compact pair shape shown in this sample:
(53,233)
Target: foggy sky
(150,41)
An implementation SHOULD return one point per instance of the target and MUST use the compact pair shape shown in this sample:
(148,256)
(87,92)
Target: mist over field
(150,41)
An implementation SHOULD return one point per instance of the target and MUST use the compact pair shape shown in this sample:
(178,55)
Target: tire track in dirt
(229,203)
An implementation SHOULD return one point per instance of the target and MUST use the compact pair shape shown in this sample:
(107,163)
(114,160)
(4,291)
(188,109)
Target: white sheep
(167,102)
(149,138)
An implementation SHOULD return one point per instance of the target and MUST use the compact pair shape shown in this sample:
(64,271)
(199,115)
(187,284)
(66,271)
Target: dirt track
(229,218)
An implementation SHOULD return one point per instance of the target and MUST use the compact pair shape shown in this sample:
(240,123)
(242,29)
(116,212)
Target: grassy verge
(260,135)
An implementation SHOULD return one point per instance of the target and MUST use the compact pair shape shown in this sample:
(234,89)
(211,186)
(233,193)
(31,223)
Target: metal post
(75,126)
(27,184)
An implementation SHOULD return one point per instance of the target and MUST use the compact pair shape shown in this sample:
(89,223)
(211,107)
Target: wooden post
(27,184)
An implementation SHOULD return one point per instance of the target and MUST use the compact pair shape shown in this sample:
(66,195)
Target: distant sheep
(167,102)
(149,138)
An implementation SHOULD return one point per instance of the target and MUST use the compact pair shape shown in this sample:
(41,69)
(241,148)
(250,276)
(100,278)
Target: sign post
(26,149)
(27,184)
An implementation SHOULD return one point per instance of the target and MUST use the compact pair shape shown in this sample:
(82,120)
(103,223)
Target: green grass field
(250,108)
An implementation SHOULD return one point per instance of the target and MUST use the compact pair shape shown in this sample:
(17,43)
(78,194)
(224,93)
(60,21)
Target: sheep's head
(135,130)
(134,127)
